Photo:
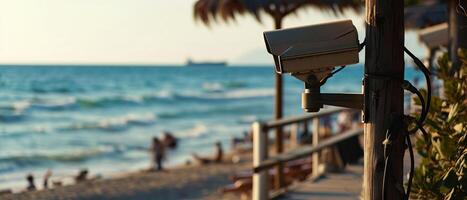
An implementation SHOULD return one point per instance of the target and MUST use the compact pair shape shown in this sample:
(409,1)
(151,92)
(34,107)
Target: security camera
(310,53)
(315,49)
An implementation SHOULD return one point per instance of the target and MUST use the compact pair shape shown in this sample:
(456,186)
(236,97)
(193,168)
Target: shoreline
(175,182)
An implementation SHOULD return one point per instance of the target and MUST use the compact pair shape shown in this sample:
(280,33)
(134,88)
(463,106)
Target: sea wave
(247,119)
(39,158)
(116,123)
(25,131)
(60,90)
(41,104)
(213,87)
(228,95)
(12,117)
(54,104)
(250,93)
(109,101)
(66,103)
(70,103)
(222,86)
(197,130)
(220,110)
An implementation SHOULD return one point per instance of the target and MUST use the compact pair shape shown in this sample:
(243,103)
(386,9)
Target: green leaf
(442,172)
(453,112)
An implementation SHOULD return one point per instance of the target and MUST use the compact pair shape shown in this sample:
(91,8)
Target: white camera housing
(315,49)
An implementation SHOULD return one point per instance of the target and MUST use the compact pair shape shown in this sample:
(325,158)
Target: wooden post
(278,111)
(293,140)
(315,157)
(384,69)
(430,66)
(260,149)
(279,180)
(457,20)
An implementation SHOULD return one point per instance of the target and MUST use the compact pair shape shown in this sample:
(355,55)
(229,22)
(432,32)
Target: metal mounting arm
(313,100)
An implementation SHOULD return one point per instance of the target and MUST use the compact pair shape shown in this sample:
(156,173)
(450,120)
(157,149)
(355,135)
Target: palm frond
(227,10)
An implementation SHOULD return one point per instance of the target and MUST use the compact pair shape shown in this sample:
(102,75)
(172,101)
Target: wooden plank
(305,151)
(292,120)
(341,186)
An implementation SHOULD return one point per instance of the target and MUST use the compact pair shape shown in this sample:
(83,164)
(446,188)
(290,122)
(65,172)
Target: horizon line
(117,65)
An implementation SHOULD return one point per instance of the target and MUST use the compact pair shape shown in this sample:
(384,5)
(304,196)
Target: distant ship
(191,63)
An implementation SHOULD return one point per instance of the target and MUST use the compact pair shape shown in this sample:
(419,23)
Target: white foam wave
(20,106)
(213,87)
(119,123)
(248,119)
(232,94)
(197,130)
(250,93)
(55,103)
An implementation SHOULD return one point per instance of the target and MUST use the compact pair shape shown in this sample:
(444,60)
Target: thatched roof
(210,10)
(428,13)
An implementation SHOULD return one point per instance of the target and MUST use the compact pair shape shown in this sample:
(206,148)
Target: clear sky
(136,32)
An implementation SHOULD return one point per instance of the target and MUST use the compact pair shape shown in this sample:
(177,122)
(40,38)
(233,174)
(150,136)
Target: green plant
(442,173)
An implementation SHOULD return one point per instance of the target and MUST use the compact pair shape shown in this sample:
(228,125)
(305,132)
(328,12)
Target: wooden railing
(262,162)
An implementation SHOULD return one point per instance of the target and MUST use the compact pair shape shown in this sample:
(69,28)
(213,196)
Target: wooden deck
(336,186)
(333,186)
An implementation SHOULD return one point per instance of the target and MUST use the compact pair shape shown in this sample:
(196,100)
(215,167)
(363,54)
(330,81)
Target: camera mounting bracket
(313,100)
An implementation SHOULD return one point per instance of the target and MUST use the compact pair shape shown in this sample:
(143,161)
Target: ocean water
(66,118)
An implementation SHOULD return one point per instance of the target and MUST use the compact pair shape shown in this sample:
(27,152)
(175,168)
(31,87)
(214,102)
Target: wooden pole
(457,20)
(278,99)
(431,67)
(260,150)
(384,68)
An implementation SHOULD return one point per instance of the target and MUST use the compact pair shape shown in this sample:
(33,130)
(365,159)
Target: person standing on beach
(47,176)
(31,185)
(157,152)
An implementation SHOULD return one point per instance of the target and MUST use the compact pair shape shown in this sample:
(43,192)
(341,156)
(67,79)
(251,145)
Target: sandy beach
(185,182)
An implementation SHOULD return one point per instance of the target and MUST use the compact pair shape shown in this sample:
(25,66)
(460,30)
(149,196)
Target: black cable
(427,74)
(360,47)
(331,74)
(412,159)
(419,123)
(409,87)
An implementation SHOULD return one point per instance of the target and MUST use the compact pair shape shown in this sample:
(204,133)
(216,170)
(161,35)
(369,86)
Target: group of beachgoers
(157,151)
(31,185)
(167,141)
